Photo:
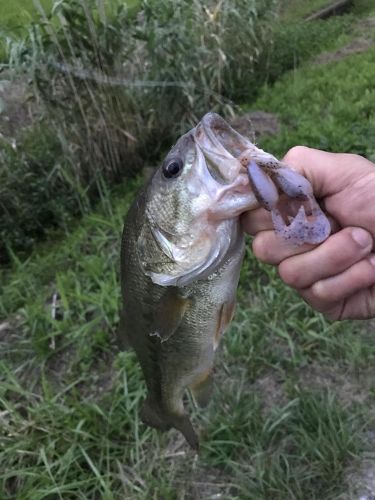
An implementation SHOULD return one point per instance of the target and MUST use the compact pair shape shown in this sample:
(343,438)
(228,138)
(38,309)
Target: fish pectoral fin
(225,316)
(202,389)
(169,313)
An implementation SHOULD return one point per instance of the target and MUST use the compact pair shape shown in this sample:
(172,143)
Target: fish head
(193,202)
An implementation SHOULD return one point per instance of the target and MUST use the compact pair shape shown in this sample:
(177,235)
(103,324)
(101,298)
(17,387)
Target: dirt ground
(366,29)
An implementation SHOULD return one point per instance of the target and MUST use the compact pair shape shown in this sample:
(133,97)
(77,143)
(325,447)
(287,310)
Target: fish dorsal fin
(169,313)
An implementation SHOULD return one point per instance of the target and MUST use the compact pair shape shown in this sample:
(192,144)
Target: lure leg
(296,215)
(263,186)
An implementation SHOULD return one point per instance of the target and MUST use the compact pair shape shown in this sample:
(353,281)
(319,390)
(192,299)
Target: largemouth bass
(182,249)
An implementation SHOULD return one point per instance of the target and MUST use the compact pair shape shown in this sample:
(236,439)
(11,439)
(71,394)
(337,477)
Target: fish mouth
(221,146)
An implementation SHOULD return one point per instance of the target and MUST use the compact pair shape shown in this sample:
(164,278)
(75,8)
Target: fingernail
(372,260)
(361,237)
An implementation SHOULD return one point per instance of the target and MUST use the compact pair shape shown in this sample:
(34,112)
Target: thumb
(329,173)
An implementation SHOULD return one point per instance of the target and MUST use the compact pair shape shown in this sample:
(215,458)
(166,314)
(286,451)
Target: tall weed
(115,85)
(34,192)
(118,85)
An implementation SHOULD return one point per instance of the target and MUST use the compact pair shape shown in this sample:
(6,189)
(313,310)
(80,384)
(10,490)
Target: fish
(181,254)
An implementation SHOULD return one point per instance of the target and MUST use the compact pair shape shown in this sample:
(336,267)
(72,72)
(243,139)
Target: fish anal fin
(202,388)
(225,316)
(169,313)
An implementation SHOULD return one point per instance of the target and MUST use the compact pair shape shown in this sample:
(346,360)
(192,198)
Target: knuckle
(295,154)
(260,247)
(319,292)
(351,157)
(348,159)
(341,251)
(263,249)
(289,274)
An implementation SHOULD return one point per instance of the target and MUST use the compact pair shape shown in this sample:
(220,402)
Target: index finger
(256,220)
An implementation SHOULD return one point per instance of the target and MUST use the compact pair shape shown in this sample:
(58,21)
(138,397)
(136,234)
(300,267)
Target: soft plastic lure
(296,215)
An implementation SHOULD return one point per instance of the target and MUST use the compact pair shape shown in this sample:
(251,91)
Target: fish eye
(173,168)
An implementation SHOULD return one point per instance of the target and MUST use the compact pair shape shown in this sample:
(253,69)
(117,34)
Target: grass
(100,83)
(69,400)
(93,134)
(15,17)
(327,106)
(295,9)
(17,14)
(293,406)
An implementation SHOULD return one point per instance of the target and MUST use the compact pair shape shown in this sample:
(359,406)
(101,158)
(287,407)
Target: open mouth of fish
(248,177)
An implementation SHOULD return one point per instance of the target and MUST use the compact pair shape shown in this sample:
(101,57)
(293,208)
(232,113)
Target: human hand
(336,277)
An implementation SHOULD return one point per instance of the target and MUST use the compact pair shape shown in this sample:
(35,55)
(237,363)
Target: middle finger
(340,251)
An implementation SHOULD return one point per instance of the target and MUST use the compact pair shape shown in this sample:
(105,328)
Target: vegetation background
(84,89)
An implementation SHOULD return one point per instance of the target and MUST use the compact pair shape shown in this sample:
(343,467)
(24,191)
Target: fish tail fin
(202,390)
(150,415)
(183,424)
